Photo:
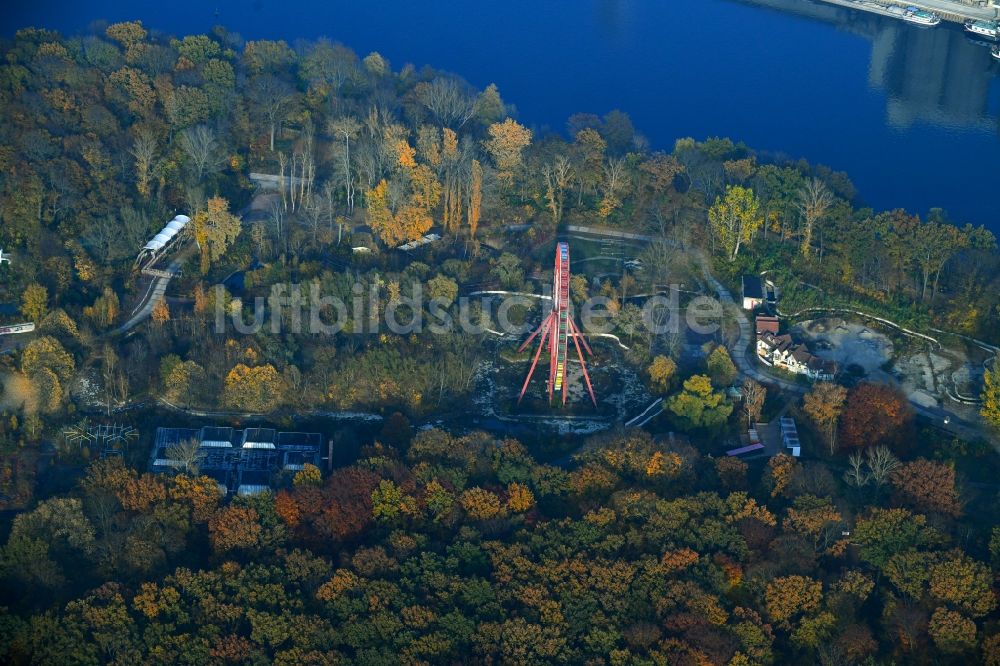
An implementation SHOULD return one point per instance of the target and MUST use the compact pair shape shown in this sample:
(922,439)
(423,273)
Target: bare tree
(346,128)
(557,178)
(881,464)
(272,99)
(451,103)
(329,65)
(194,197)
(278,221)
(202,150)
(311,217)
(116,384)
(188,455)
(877,464)
(753,400)
(375,155)
(614,170)
(144,151)
(856,474)
(135,227)
(331,210)
(258,236)
(814,201)
(302,171)
(282,184)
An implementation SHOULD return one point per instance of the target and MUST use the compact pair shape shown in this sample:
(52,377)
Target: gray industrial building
(243,462)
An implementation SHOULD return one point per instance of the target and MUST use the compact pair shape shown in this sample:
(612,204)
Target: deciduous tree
(253,389)
(787,596)
(47,352)
(698,405)
(519,498)
(215,230)
(952,632)
(990,397)
(481,504)
(927,486)
(506,143)
(965,583)
(813,202)
(475,194)
(234,527)
(35,302)
(735,218)
(874,414)
(661,373)
(720,367)
(824,405)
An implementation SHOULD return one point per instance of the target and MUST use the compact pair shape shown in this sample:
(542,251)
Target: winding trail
(940,417)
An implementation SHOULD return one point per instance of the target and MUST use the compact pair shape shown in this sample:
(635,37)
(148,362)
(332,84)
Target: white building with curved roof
(163,238)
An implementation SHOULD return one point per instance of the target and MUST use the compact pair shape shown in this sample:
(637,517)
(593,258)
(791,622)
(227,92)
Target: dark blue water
(910,113)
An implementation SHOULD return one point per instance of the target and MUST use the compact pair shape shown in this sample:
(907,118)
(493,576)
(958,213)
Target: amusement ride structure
(555,333)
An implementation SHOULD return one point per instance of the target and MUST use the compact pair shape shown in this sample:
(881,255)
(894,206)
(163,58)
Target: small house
(766,324)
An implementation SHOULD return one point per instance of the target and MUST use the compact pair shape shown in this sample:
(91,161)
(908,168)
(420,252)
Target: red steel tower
(555,333)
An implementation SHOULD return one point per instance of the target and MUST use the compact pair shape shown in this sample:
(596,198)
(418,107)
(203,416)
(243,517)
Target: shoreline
(948,10)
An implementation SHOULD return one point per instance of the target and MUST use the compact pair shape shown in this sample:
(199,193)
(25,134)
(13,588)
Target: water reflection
(937,75)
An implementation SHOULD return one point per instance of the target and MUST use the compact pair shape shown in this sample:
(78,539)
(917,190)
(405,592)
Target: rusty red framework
(555,333)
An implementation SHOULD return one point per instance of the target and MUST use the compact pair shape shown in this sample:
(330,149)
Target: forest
(434,545)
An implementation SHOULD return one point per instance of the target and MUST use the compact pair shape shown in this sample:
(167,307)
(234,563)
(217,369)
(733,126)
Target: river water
(911,114)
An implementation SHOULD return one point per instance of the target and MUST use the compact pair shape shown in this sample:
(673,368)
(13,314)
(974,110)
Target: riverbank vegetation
(114,132)
(449,548)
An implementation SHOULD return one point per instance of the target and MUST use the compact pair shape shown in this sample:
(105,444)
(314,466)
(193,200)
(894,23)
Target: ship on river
(988,29)
(915,15)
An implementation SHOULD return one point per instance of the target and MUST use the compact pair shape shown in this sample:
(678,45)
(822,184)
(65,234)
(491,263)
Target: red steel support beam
(555,332)
(583,364)
(541,343)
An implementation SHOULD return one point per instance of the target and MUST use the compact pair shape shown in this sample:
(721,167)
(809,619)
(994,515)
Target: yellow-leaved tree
(506,143)
(991,398)
(414,218)
(475,208)
(257,389)
(215,230)
(35,302)
(735,218)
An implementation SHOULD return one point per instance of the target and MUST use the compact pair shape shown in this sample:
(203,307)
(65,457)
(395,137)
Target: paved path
(738,351)
(956,425)
(936,415)
(153,296)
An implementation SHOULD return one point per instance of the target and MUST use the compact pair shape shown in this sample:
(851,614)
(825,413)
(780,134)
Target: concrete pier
(948,10)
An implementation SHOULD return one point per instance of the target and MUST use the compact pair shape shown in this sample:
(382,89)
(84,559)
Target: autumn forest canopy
(423,539)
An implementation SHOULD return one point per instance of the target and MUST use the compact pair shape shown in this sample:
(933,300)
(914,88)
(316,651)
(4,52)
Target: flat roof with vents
(259,438)
(212,436)
(248,458)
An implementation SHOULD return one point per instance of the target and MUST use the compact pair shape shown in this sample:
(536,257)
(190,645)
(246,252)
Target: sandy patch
(928,374)
(18,392)
(922,398)
(846,343)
